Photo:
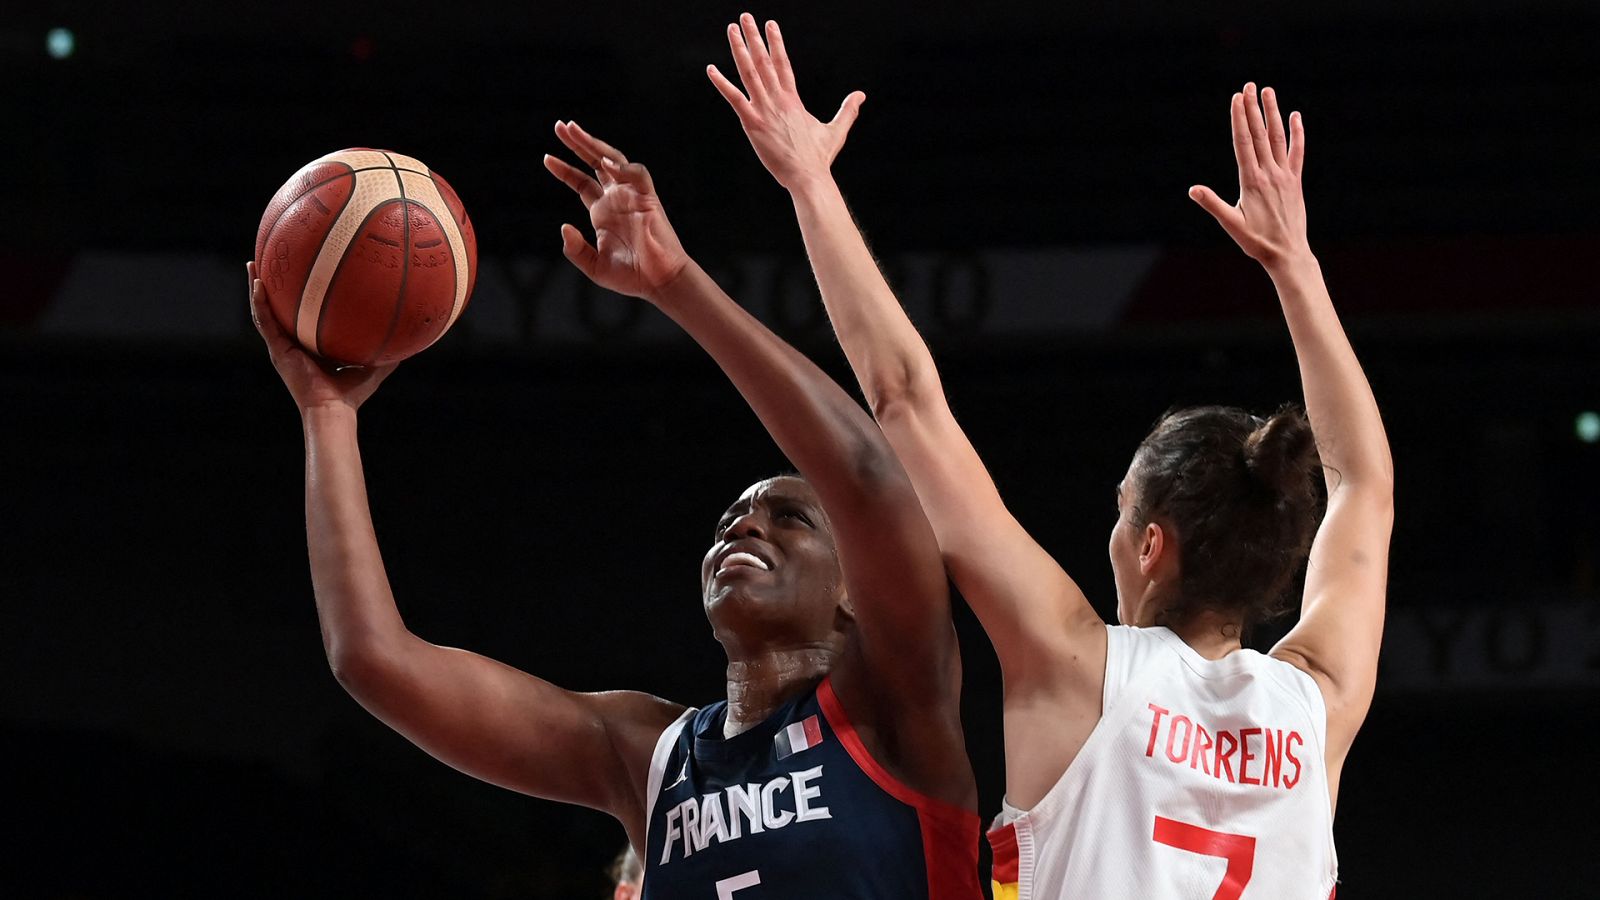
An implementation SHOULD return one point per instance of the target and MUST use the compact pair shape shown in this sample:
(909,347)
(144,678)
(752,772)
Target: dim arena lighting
(60,42)
(1587,426)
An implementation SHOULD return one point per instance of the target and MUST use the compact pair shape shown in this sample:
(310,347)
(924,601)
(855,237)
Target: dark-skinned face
(772,574)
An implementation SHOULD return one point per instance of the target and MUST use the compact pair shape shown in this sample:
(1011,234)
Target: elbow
(1380,480)
(897,386)
(897,396)
(1371,478)
(360,665)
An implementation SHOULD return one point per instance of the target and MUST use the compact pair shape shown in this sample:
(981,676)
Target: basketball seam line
(300,301)
(405,259)
(349,170)
(333,279)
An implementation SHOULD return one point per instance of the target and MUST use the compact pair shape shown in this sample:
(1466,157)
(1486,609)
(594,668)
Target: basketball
(367,256)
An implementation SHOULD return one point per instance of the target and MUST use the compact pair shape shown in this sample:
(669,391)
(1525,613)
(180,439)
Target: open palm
(1269,221)
(635,250)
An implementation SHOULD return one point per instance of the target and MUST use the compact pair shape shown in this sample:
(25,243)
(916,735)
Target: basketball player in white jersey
(1156,758)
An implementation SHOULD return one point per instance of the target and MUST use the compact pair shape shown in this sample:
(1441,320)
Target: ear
(845,612)
(1152,548)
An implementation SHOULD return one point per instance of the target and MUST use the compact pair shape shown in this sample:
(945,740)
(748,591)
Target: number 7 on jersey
(1239,850)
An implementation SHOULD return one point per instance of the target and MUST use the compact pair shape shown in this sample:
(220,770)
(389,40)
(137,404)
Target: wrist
(1293,266)
(674,286)
(327,414)
(813,187)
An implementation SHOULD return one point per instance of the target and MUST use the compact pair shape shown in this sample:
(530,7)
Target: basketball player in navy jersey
(835,767)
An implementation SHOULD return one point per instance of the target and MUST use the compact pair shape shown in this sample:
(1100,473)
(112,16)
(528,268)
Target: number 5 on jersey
(727,886)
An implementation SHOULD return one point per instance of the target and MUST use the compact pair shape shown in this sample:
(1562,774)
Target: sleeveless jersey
(1203,779)
(795,808)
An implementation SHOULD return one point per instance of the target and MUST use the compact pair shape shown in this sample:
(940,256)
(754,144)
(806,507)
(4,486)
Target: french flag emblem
(802,735)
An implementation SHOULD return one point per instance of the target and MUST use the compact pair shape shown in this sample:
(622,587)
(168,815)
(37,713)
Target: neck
(1211,635)
(758,685)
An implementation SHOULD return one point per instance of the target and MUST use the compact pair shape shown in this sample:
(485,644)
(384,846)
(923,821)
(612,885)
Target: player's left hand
(1269,221)
(793,144)
(635,250)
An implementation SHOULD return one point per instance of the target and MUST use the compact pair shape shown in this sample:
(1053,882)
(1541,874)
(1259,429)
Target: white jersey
(1204,780)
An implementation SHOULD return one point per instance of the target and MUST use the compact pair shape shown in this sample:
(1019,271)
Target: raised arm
(1341,615)
(484,718)
(1044,630)
(908,669)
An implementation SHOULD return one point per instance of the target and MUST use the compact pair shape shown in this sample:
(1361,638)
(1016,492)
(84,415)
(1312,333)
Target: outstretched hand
(635,250)
(312,382)
(1269,221)
(794,145)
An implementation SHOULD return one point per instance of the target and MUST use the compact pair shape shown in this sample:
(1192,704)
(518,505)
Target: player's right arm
(1045,632)
(477,715)
(1337,638)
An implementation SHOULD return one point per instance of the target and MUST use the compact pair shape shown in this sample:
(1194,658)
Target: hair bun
(1282,452)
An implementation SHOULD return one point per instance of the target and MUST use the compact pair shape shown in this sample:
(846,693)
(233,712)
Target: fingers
(1276,138)
(570,139)
(729,91)
(587,189)
(848,111)
(1227,215)
(589,148)
(633,173)
(1244,150)
(250,283)
(1258,126)
(278,340)
(780,58)
(758,53)
(579,251)
(742,60)
(1297,143)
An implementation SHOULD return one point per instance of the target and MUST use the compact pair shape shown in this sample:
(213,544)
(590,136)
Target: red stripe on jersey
(949,833)
(1007,859)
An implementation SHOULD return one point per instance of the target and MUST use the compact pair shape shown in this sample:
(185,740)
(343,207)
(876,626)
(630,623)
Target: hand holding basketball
(311,382)
(366,256)
(1269,221)
(635,251)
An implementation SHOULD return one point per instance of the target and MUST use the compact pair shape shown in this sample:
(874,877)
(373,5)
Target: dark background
(169,725)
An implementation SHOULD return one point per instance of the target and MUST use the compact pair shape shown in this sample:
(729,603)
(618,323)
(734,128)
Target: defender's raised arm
(1048,638)
(1341,616)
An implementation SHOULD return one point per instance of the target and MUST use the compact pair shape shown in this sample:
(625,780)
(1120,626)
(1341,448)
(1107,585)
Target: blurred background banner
(170,726)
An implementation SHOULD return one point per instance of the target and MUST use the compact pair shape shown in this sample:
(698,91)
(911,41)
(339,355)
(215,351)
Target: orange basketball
(367,256)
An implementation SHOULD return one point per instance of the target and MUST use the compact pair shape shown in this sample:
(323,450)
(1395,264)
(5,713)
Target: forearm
(354,604)
(1339,401)
(814,422)
(888,356)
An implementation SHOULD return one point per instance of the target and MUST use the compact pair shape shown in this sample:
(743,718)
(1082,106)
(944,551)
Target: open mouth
(734,559)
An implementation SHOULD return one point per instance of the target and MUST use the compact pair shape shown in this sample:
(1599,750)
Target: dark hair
(1242,494)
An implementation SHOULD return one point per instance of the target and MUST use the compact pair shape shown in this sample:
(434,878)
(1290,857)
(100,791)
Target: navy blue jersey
(795,809)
